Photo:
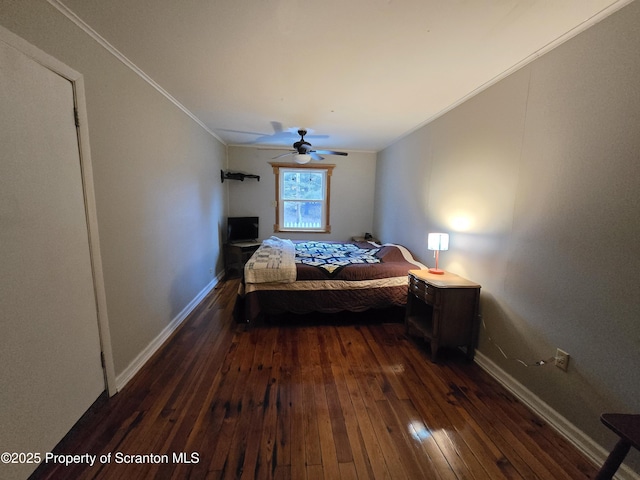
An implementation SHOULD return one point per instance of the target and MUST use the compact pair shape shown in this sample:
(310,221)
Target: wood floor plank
(389,370)
(398,431)
(424,439)
(357,448)
(313,450)
(298,424)
(315,472)
(325,428)
(340,440)
(283,401)
(231,407)
(352,370)
(325,399)
(348,471)
(259,457)
(246,436)
(283,472)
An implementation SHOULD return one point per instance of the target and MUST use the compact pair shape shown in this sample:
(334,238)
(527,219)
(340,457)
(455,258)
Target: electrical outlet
(562,359)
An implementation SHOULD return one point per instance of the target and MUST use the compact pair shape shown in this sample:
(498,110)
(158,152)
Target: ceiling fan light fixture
(302,158)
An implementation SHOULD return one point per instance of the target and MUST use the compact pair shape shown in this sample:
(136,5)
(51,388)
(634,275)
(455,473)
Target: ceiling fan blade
(315,156)
(261,137)
(284,155)
(279,134)
(331,152)
(277,127)
(241,131)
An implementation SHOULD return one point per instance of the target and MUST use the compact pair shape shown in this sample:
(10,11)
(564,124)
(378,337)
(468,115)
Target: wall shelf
(236,176)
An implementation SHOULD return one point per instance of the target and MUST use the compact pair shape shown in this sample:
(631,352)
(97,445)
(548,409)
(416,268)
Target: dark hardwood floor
(311,400)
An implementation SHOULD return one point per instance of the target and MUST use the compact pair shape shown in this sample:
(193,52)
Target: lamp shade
(302,158)
(438,241)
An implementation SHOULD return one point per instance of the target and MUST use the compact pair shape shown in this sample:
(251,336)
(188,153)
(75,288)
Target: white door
(50,369)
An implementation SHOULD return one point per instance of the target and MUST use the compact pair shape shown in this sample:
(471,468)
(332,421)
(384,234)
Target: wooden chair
(627,427)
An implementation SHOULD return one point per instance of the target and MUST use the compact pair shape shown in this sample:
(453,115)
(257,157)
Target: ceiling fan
(303,151)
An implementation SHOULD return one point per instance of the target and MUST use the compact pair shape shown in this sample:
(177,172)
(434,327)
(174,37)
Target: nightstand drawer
(422,290)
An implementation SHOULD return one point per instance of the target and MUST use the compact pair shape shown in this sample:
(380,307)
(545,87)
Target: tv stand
(236,255)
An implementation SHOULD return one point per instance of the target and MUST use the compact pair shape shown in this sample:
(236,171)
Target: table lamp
(437,242)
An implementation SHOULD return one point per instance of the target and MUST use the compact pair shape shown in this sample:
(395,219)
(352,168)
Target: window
(302,197)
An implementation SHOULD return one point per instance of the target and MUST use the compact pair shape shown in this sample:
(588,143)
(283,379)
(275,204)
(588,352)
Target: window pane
(302,214)
(303,185)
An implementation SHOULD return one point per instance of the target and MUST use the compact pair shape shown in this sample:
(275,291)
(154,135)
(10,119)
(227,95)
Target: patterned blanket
(274,261)
(333,256)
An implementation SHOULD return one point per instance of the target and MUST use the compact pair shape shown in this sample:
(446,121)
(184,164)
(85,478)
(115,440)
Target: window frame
(279,203)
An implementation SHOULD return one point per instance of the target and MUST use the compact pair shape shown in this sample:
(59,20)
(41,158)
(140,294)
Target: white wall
(159,199)
(538,181)
(352,192)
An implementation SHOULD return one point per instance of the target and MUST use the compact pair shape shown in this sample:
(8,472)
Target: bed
(301,277)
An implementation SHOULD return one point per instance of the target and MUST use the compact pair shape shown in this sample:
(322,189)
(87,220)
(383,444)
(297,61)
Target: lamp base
(437,271)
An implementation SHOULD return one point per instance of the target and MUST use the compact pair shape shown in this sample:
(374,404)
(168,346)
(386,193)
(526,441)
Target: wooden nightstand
(236,255)
(443,309)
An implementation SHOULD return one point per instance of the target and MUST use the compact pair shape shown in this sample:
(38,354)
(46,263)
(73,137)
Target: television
(242,229)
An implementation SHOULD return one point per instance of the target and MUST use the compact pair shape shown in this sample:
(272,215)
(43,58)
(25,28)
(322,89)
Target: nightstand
(443,309)
(362,239)
(236,255)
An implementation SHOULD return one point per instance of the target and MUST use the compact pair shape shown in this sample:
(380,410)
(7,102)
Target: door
(50,368)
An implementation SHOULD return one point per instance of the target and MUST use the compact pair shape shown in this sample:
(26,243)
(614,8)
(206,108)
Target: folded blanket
(272,262)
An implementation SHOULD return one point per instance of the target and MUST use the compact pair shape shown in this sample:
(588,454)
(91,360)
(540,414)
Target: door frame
(77,81)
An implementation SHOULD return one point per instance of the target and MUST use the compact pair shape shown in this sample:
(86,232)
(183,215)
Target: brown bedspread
(354,287)
(392,264)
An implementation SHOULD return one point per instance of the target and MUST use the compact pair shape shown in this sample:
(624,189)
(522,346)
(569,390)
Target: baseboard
(128,373)
(577,437)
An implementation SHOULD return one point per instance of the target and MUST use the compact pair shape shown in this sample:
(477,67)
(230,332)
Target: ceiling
(358,74)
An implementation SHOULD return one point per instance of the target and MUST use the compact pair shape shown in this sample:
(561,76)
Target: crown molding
(586,24)
(67,12)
